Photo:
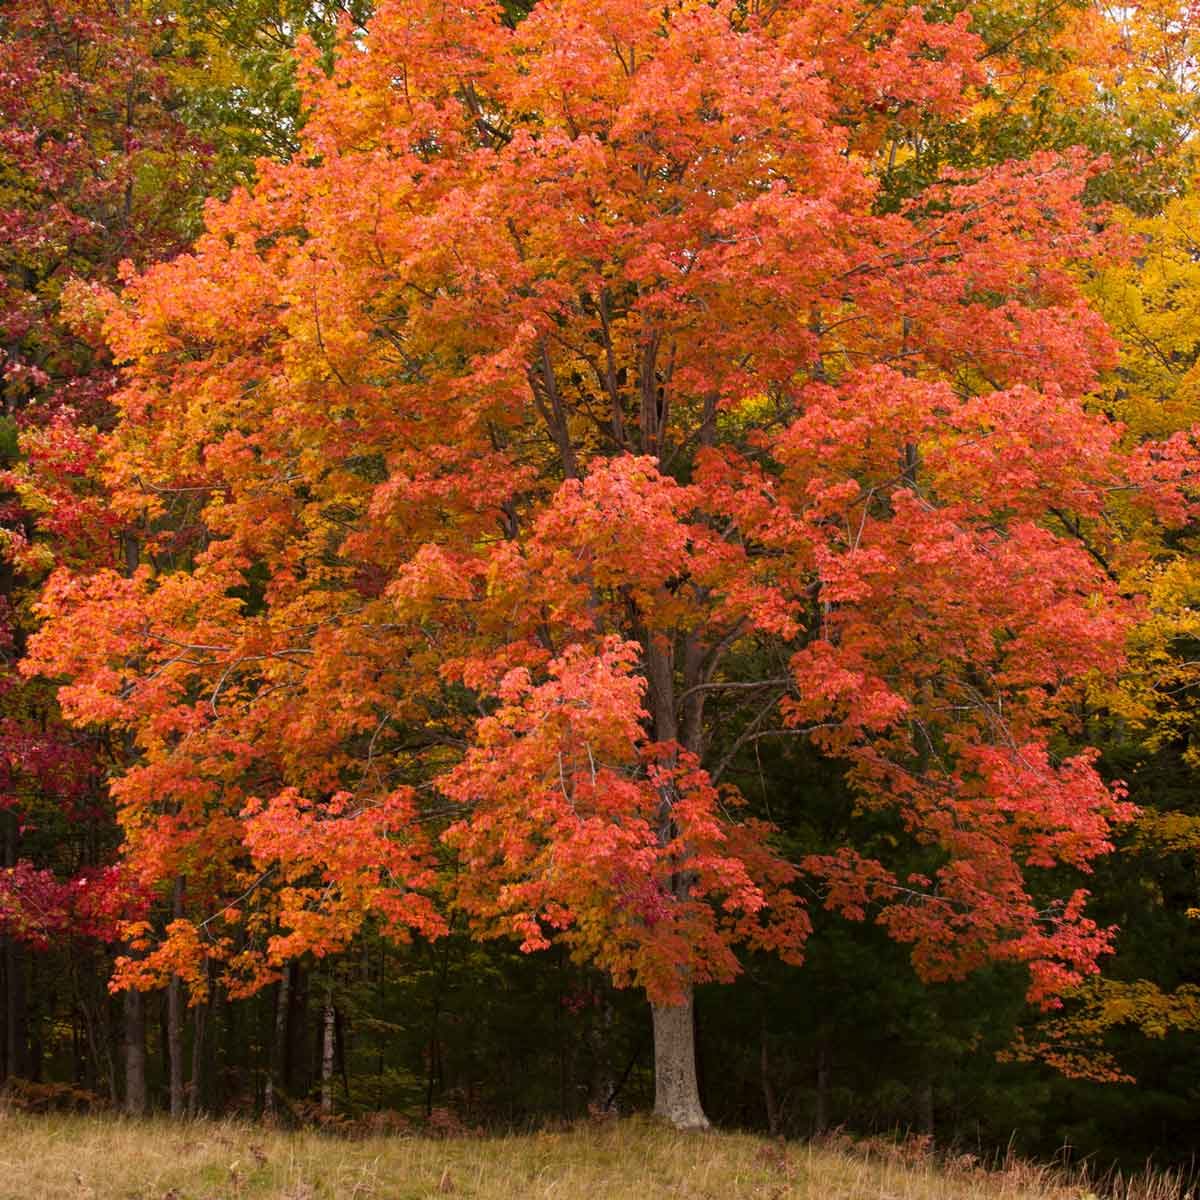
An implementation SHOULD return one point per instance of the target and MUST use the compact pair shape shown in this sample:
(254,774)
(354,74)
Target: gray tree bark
(278,1055)
(195,1088)
(676,1089)
(135,1053)
(175,1009)
(328,1041)
(676,1092)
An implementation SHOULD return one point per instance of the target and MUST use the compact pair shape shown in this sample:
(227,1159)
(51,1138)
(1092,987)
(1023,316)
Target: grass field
(96,1158)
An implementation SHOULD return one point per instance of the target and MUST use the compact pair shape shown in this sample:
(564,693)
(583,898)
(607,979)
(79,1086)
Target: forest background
(266,959)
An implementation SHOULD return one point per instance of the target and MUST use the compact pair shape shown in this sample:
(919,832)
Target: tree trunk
(195,1090)
(295,1073)
(770,1100)
(435,1016)
(603,1084)
(676,1093)
(106,1010)
(328,1042)
(175,1008)
(676,1090)
(231,1079)
(35,995)
(135,1053)
(82,1075)
(275,1068)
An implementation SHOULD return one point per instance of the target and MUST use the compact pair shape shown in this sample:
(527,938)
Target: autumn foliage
(592,400)
(486,454)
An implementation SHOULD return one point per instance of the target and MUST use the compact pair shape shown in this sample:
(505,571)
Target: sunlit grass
(100,1158)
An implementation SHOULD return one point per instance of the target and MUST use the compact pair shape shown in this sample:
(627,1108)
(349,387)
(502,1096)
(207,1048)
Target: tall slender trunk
(435,1016)
(295,1071)
(195,1088)
(135,1053)
(603,1085)
(175,1010)
(81,1063)
(328,1041)
(770,1100)
(231,1081)
(275,1070)
(105,1010)
(204,1067)
(676,1093)
(36,995)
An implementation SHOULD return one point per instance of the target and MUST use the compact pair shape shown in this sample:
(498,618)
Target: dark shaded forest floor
(97,1158)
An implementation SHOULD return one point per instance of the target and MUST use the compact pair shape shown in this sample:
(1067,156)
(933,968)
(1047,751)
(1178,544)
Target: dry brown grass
(97,1158)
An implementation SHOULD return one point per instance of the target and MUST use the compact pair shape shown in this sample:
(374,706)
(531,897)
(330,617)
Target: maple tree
(566,419)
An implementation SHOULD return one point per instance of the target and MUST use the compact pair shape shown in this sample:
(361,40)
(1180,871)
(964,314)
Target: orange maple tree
(565,419)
